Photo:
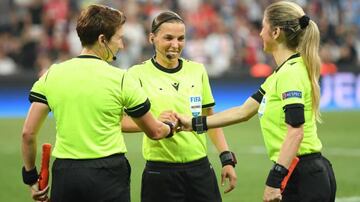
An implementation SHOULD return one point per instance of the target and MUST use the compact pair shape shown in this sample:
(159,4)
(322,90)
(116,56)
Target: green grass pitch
(340,134)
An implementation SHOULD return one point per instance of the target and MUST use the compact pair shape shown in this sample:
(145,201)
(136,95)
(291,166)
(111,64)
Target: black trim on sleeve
(208,105)
(37,97)
(258,96)
(139,110)
(294,114)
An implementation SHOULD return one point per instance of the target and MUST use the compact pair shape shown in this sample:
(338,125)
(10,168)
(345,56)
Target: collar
(291,57)
(89,56)
(161,68)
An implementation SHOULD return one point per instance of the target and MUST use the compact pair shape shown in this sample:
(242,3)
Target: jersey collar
(291,57)
(161,68)
(89,56)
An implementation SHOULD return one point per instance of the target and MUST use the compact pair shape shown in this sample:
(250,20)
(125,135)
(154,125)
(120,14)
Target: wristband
(30,177)
(276,176)
(199,124)
(228,158)
(171,125)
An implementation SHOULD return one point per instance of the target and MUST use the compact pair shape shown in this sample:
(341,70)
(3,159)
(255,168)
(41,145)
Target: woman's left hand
(272,194)
(39,195)
(228,172)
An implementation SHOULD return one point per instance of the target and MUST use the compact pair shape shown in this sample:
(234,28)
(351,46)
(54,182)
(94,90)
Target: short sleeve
(134,98)
(208,99)
(290,88)
(37,93)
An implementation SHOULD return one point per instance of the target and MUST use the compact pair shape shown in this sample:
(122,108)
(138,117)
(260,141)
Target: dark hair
(96,20)
(166,16)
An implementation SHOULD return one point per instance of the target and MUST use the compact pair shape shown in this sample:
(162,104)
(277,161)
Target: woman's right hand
(39,195)
(185,122)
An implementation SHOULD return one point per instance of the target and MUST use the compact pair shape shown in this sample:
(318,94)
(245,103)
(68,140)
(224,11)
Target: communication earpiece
(108,49)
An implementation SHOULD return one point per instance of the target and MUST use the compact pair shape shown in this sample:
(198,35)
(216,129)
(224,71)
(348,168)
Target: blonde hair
(302,35)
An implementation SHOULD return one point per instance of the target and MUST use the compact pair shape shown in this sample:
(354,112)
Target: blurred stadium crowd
(222,34)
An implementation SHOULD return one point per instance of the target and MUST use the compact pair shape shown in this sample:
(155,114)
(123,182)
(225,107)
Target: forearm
(225,118)
(153,128)
(33,122)
(290,146)
(234,115)
(29,151)
(217,137)
(129,126)
(216,134)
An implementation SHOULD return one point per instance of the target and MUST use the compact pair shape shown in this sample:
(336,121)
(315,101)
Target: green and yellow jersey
(87,97)
(185,90)
(289,84)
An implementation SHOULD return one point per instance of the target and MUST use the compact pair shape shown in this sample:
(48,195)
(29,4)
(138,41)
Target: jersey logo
(291,94)
(176,86)
(195,105)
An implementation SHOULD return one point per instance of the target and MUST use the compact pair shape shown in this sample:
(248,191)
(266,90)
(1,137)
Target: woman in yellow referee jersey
(88,97)
(288,107)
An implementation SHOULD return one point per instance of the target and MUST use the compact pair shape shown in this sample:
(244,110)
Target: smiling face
(169,42)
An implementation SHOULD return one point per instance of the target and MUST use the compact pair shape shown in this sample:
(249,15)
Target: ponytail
(309,50)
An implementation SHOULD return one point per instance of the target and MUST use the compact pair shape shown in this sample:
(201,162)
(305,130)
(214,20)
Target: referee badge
(195,105)
(292,94)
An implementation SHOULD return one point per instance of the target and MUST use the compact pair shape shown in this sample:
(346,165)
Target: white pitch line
(333,151)
(348,199)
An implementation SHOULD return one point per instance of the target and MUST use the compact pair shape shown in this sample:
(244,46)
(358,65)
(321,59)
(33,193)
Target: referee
(87,97)
(178,166)
(288,107)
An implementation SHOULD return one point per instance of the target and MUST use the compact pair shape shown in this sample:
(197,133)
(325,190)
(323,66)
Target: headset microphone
(107,48)
(114,57)
(169,56)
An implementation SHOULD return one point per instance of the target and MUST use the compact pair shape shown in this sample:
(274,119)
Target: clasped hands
(181,122)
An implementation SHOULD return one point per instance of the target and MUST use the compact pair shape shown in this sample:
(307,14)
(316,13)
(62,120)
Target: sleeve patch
(292,94)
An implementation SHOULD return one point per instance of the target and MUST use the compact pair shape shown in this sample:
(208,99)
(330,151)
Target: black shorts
(91,180)
(180,182)
(312,180)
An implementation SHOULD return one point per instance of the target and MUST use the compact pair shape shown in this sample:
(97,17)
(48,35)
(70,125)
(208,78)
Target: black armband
(171,125)
(199,124)
(258,96)
(276,176)
(294,115)
(228,158)
(30,177)
(139,110)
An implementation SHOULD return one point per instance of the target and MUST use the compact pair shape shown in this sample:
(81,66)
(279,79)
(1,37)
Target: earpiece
(107,48)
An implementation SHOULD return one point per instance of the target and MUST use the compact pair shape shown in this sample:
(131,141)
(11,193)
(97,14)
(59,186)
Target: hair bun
(304,21)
